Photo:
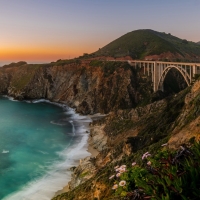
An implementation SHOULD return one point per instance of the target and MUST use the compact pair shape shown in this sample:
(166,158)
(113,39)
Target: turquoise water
(34,139)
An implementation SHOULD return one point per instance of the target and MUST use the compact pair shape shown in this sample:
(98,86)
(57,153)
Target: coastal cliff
(137,120)
(88,86)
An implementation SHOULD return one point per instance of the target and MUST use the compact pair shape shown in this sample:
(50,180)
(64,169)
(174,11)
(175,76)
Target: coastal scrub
(166,175)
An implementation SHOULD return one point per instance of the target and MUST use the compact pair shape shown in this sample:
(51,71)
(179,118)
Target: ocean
(39,142)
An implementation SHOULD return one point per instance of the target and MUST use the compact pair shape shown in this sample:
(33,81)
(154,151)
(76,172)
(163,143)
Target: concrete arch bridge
(158,70)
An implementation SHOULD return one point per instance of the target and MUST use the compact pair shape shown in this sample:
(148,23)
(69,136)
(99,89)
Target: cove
(39,142)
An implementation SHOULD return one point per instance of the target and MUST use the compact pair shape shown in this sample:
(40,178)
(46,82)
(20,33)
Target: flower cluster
(145,155)
(122,179)
(134,163)
(167,173)
(119,170)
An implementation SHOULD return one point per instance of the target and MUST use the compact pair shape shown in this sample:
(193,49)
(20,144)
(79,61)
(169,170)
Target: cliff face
(127,134)
(90,88)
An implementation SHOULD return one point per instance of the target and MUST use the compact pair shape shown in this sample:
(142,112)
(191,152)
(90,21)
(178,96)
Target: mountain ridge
(144,43)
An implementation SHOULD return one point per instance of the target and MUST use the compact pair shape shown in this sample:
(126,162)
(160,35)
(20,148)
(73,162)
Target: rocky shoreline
(85,169)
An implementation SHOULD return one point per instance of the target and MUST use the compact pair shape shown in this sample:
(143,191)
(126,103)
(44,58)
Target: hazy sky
(46,30)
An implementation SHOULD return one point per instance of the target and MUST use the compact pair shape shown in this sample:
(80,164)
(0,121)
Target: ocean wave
(60,123)
(58,174)
(65,107)
(10,98)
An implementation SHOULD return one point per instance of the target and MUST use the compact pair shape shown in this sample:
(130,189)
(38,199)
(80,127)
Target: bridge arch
(183,72)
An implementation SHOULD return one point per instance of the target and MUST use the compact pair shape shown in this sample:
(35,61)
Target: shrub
(167,175)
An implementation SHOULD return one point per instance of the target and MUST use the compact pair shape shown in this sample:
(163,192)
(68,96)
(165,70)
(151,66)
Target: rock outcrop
(88,87)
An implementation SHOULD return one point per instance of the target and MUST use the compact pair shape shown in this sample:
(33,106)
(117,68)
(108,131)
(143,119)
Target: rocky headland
(89,86)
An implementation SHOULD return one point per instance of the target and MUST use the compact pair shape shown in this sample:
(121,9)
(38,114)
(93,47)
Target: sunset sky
(47,30)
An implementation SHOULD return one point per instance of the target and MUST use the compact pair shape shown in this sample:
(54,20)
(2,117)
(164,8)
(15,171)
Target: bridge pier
(194,70)
(156,76)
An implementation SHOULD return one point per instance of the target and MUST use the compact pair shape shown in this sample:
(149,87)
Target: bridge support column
(194,70)
(156,77)
(152,72)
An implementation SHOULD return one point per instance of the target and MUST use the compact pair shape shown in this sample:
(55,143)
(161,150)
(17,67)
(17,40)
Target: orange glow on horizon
(38,54)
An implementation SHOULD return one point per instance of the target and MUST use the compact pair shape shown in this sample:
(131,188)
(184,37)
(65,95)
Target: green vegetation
(64,62)
(21,83)
(184,46)
(18,64)
(141,43)
(166,175)
(84,174)
(158,125)
(26,73)
(109,67)
(118,126)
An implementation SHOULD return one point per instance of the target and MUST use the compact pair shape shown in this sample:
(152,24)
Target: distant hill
(150,44)
(198,43)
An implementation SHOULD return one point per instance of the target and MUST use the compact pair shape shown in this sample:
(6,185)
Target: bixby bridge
(158,70)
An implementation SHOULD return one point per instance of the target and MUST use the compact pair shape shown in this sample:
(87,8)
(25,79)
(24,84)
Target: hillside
(124,136)
(198,42)
(152,45)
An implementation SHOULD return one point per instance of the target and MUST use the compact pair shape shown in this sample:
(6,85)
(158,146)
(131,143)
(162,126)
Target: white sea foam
(40,100)
(54,103)
(10,98)
(5,151)
(58,174)
(43,152)
(60,123)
